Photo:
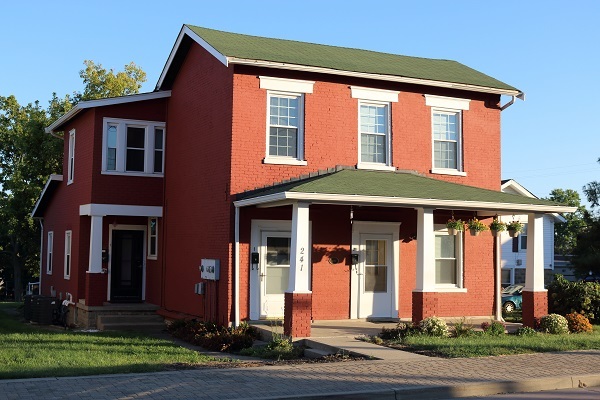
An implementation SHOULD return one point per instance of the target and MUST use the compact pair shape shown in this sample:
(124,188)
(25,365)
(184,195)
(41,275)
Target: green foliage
(526,331)
(100,83)
(514,226)
(455,224)
(554,324)
(399,332)
(578,323)
(495,328)
(280,347)
(497,225)
(476,225)
(212,336)
(565,233)
(565,297)
(434,326)
(462,329)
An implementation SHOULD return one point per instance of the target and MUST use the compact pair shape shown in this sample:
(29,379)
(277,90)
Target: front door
(274,272)
(127,266)
(375,271)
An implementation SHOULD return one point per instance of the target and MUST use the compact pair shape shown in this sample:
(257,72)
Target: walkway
(429,378)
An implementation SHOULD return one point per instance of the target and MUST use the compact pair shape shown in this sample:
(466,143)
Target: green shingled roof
(344,59)
(394,184)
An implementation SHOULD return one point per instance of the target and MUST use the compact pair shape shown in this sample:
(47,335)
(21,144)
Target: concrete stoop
(131,322)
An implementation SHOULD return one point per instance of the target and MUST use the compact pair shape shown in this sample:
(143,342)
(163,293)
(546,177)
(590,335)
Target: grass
(480,345)
(28,351)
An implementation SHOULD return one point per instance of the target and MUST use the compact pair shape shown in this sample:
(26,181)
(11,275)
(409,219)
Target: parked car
(512,298)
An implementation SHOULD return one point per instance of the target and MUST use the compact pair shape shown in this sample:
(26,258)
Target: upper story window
(285,120)
(68,236)
(133,147)
(448,259)
(152,238)
(447,137)
(374,127)
(71,158)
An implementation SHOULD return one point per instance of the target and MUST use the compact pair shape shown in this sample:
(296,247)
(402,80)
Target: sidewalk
(430,378)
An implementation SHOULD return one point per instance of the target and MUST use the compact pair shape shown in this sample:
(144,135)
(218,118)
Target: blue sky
(548,49)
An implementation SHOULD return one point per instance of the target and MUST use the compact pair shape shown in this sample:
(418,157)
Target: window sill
(375,166)
(152,258)
(442,289)
(284,161)
(444,171)
(142,174)
(67,278)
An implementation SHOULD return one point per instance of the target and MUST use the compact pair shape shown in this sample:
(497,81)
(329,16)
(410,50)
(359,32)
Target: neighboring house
(514,250)
(230,171)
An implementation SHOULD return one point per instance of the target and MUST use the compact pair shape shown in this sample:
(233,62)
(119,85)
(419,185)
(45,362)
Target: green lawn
(481,345)
(28,351)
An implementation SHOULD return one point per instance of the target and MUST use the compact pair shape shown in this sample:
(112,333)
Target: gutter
(520,96)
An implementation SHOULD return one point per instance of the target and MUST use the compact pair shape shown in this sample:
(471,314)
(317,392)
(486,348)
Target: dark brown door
(127,266)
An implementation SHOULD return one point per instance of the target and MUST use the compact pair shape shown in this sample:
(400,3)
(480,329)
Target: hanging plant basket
(452,231)
(513,234)
(474,232)
(496,233)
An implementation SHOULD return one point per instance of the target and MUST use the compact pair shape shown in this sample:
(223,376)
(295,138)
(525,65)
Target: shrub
(578,323)
(462,329)
(401,331)
(554,324)
(434,326)
(493,329)
(526,331)
(565,297)
(279,348)
(212,336)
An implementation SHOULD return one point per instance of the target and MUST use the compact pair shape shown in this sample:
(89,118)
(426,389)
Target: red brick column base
(95,289)
(297,314)
(425,304)
(535,305)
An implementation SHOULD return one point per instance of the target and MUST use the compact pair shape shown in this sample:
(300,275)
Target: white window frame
(377,97)
(149,146)
(152,237)
(523,238)
(292,88)
(448,105)
(68,254)
(442,230)
(49,252)
(71,158)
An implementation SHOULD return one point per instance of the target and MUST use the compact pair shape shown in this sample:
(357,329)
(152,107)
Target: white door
(274,272)
(375,272)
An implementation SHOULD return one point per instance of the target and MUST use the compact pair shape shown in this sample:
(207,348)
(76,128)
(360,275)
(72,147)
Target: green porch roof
(344,59)
(402,187)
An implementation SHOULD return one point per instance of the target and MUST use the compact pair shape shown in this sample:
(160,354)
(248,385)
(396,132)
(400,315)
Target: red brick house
(316,180)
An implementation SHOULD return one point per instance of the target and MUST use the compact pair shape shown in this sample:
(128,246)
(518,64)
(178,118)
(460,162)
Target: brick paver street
(444,378)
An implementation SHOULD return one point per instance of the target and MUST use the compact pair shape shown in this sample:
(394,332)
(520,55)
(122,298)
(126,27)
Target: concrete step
(131,322)
(320,346)
(315,353)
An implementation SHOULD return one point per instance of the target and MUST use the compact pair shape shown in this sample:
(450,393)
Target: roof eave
(326,198)
(82,105)
(52,178)
(390,78)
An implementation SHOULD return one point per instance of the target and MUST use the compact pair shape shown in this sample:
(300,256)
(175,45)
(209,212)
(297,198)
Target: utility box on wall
(210,269)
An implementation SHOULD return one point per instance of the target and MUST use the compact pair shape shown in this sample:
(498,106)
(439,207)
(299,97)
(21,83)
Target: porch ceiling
(393,189)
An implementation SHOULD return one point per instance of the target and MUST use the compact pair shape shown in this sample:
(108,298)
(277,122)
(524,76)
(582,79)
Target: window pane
(277,279)
(505,276)
(135,160)
(278,264)
(136,137)
(283,142)
(112,136)
(376,279)
(158,138)
(445,272)
(372,148)
(445,155)
(158,161)
(153,246)
(445,246)
(111,159)
(374,129)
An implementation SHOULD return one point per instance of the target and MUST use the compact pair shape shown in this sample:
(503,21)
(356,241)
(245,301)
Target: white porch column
(95,262)
(534,273)
(300,250)
(425,251)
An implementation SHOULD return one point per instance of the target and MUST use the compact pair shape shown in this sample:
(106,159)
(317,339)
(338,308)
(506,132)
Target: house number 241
(301,259)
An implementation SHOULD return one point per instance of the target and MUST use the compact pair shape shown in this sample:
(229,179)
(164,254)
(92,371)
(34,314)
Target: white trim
(138,174)
(120,209)
(372,227)
(364,93)
(106,102)
(68,266)
(447,171)
(149,255)
(283,161)
(326,198)
(71,157)
(447,102)
(111,228)
(459,142)
(236,267)
(375,166)
(390,78)
(517,187)
(51,179)
(387,165)
(442,230)
(50,252)
(286,85)
(289,160)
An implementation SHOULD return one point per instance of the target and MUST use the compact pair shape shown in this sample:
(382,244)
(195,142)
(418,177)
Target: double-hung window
(49,252)
(519,243)
(71,159)
(374,127)
(133,147)
(447,136)
(152,238)
(448,259)
(68,236)
(285,119)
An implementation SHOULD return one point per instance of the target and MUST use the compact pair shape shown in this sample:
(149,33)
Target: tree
(28,155)
(566,232)
(592,191)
